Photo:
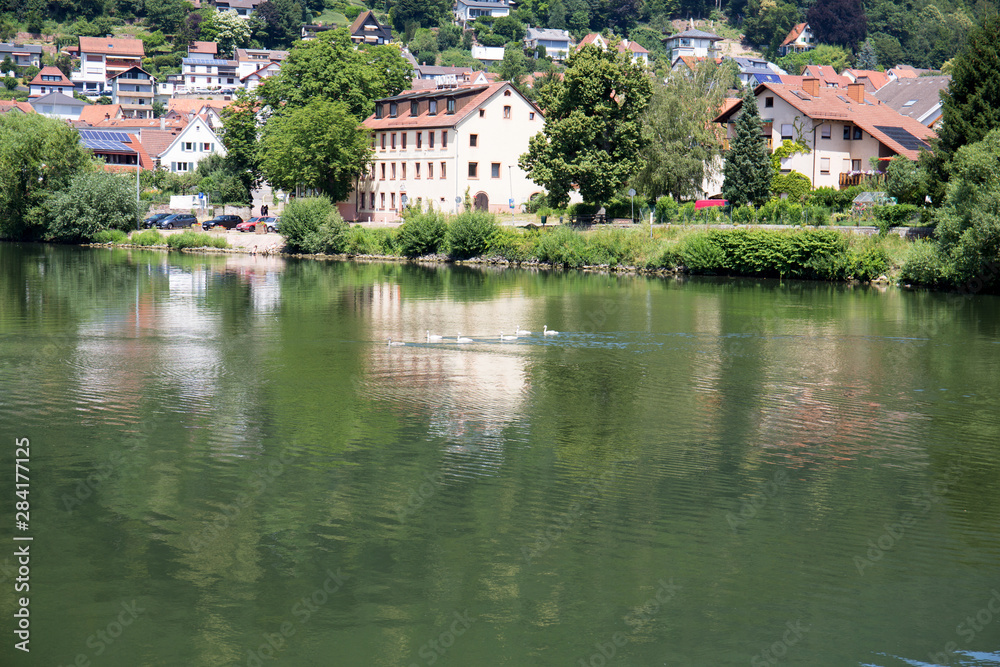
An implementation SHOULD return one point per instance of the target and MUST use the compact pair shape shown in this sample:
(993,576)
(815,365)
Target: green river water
(229,465)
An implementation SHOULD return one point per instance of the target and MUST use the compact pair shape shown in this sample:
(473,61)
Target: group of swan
(518,331)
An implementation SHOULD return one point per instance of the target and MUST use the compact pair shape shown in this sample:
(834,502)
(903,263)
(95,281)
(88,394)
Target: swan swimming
(396,343)
(460,339)
(502,337)
(434,337)
(546,331)
(521,332)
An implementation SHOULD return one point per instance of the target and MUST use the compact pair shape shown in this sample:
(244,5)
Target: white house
(50,80)
(692,42)
(194,143)
(252,80)
(22,55)
(639,53)
(557,43)
(432,146)
(469,10)
(134,90)
(488,54)
(249,61)
(57,105)
(209,73)
(102,58)
(800,38)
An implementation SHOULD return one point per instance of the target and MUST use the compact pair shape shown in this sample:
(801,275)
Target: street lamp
(510,178)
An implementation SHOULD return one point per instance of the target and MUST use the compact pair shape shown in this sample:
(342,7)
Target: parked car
(274,227)
(179,220)
(151,220)
(270,222)
(226,221)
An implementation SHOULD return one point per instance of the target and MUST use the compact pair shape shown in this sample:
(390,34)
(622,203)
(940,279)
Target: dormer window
(414,108)
(433,108)
(378,110)
(393,109)
(451,105)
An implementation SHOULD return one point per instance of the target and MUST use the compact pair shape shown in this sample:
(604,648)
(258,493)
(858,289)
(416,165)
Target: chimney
(107,116)
(810,84)
(163,123)
(856,91)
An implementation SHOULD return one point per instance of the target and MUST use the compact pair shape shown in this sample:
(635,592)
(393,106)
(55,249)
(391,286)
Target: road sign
(511,200)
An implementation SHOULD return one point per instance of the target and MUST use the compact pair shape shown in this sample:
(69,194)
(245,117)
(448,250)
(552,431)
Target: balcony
(849,179)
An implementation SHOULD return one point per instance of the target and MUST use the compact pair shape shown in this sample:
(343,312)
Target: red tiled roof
(834,104)
(827,75)
(49,70)
(204,47)
(877,79)
(95,113)
(193,106)
(120,46)
(155,142)
(692,61)
(904,72)
(7,106)
(794,34)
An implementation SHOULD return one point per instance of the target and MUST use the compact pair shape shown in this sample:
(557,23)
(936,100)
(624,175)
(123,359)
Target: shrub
(149,237)
(621,206)
(469,234)
(816,215)
(192,239)
(562,247)
(301,219)
(371,241)
(668,256)
(92,202)
(330,237)
(422,234)
(666,209)
(745,214)
(116,236)
(701,255)
(512,244)
(896,215)
(925,265)
(686,212)
(834,199)
(867,260)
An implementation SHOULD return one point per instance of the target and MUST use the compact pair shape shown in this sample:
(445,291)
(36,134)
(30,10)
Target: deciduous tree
(593,128)
(94,201)
(840,22)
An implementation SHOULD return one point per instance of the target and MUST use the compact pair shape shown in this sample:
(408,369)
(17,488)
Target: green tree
(320,145)
(94,201)
(508,27)
(557,15)
(968,227)
(240,137)
(593,128)
(970,107)
(165,15)
(514,65)
(425,13)
(38,156)
(748,170)
(449,36)
(231,32)
(905,181)
(424,46)
(29,73)
(841,22)
(680,144)
(867,57)
(836,57)
(330,68)
(768,22)
(64,63)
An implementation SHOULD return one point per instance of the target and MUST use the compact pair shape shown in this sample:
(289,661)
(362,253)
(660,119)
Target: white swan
(502,337)
(396,343)
(434,337)
(521,332)
(460,339)
(546,331)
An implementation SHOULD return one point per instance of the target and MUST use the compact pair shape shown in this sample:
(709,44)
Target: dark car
(178,220)
(152,220)
(226,221)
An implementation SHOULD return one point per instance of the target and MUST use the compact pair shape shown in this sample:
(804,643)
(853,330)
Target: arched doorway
(482,202)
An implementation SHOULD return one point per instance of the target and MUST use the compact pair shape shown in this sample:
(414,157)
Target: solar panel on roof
(903,137)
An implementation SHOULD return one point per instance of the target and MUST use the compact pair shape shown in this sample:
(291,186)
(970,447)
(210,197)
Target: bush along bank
(819,254)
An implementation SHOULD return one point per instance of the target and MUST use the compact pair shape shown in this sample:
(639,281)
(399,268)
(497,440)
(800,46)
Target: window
(373,142)
(392,171)
(786,131)
(451,105)
(392,201)
(414,108)
(482,113)
(442,170)
(393,109)
(531,115)
(444,138)
(824,165)
(378,110)
(372,207)
(910,103)
(855,165)
(473,170)
(473,140)
(506,93)
(430,139)
(430,170)
(432,108)
(768,102)
(206,147)
(402,174)
(824,132)
(495,170)
(382,178)
(506,112)
(382,201)
(847,133)
(420,139)
(383,141)
(402,140)
(392,142)
(188,146)
(416,169)
(857,133)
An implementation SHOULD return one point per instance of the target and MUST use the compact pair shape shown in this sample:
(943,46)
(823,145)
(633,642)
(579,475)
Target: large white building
(430,147)
(103,58)
(134,90)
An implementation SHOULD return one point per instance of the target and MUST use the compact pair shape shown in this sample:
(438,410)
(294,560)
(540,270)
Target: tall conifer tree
(748,169)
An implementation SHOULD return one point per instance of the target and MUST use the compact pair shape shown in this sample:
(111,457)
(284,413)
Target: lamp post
(631,196)
(138,209)
(510,179)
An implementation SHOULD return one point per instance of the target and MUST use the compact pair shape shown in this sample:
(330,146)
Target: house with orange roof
(203,49)
(873,79)
(828,77)
(432,146)
(845,129)
(638,52)
(120,151)
(97,113)
(187,108)
(192,144)
(102,58)
(800,38)
(134,89)
(50,80)
(13,106)
(692,42)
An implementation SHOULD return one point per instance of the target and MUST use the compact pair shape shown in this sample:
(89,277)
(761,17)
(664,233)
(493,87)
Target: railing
(848,179)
